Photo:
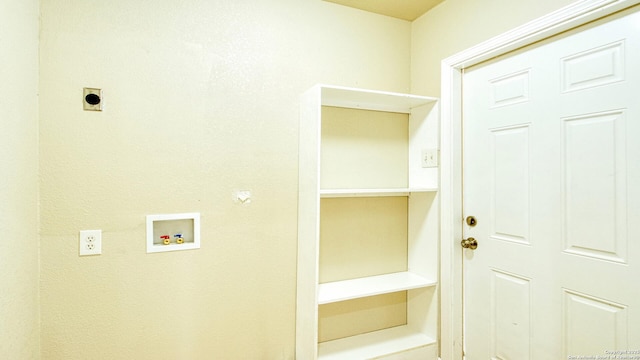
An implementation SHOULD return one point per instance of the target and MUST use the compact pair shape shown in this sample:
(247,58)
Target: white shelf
(371,99)
(370,286)
(336,193)
(374,344)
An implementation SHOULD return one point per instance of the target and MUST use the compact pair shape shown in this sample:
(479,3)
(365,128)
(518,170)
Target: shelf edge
(410,281)
(335,193)
(374,344)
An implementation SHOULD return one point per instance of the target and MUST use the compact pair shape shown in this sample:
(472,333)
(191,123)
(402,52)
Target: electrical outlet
(92,99)
(90,242)
(429,158)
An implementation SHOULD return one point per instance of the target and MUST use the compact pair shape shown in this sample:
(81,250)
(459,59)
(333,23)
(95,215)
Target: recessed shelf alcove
(367,226)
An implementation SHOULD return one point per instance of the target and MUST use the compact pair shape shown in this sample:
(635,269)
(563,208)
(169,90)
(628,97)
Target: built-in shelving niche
(368,225)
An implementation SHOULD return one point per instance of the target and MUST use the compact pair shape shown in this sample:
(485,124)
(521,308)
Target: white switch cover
(429,158)
(90,242)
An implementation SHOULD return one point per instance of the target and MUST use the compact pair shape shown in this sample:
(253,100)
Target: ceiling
(401,9)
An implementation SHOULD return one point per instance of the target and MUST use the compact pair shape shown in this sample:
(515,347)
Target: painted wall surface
(19,307)
(201,100)
(456,25)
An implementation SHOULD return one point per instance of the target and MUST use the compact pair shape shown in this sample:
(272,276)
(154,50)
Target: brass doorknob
(469,243)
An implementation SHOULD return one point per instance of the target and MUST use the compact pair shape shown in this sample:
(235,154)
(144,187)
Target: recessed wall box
(173,232)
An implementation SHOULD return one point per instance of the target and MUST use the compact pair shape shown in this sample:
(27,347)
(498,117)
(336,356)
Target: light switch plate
(429,158)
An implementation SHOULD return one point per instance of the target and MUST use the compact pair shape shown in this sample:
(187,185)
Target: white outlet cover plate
(90,242)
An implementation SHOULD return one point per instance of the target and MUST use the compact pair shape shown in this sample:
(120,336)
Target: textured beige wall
(201,100)
(456,25)
(19,307)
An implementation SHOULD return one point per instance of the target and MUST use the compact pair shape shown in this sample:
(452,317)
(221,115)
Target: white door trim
(576,14)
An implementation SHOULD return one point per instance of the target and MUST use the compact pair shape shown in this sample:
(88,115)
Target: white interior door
(551,136)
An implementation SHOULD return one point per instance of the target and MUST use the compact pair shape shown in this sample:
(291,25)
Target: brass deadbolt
(471,221)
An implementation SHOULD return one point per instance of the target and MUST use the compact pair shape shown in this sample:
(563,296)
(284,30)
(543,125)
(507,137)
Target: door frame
(451,299)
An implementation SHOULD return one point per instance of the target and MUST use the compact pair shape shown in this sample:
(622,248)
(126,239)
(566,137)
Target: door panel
(582,312)
(509,153)
(510,316)
(595,231)
(550,133)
